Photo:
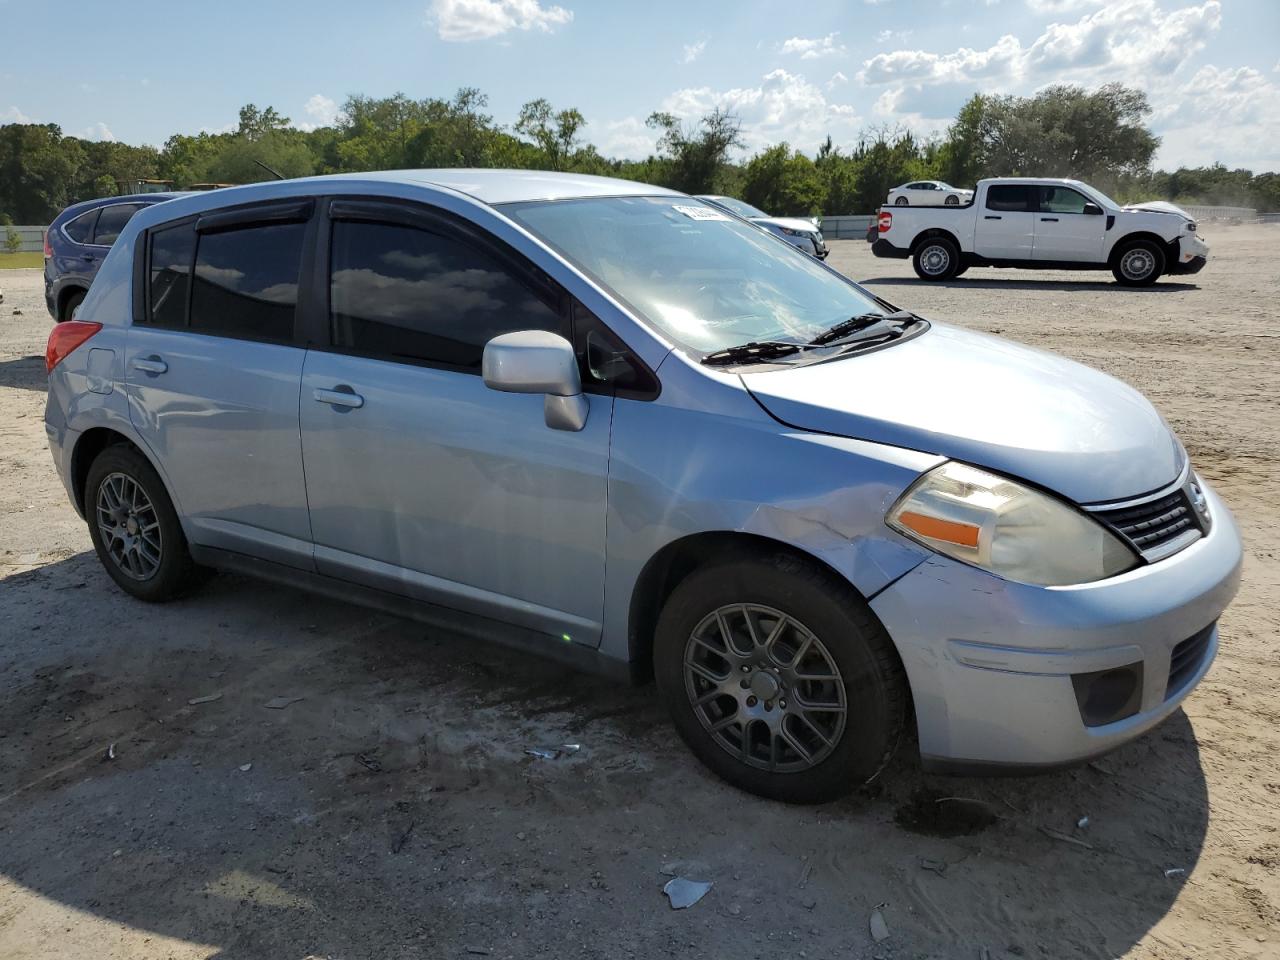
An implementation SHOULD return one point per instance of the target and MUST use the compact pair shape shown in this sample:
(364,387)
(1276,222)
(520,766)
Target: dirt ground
(391,811)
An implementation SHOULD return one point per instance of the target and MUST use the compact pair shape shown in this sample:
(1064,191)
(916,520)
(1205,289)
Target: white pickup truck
(1043,224)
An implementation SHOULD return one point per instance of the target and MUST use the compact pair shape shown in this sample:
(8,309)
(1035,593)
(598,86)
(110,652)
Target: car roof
(1017,180)
(494,186)
(75,209)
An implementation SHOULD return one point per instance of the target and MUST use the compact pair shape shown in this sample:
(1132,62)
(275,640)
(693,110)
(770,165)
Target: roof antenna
(275,173)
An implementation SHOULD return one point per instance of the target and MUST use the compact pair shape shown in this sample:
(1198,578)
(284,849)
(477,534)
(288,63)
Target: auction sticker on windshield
(700,213)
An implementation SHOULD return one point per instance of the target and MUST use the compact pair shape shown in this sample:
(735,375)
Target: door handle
(989,217)
(340,396)
(151,364)
(1048,219)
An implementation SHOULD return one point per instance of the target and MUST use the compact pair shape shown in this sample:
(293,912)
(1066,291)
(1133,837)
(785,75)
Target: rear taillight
(885,222)
(48,250)
(65,337)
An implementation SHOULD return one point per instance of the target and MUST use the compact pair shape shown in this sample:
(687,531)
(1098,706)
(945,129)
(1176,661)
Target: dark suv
(77,242)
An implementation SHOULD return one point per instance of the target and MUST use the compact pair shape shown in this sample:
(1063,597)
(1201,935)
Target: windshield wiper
(860,323)
(760,351)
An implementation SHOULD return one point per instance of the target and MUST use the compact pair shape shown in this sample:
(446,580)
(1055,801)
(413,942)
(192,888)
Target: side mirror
(536,361)
(1093,210)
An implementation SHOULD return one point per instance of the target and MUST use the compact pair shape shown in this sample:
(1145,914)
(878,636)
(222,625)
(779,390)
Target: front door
(213,373)
(420,479)
(1063,230)
(1006,225)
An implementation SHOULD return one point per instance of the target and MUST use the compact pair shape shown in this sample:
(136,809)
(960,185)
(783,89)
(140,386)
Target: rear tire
(847,724)
(1138,264)
(936,259)
(952,201)
(69,305)
(135,529)
(901,202)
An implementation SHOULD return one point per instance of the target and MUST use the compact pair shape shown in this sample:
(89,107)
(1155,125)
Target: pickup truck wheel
(901,202)
(952,201)
(780,678)
(1138,264)
(936,259)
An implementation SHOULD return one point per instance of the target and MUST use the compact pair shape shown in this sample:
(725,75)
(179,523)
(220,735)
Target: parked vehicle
(604,421)
(76,243)
(797,231)
(1038,224)
(929,193)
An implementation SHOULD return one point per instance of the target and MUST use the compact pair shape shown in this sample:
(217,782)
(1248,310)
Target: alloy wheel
(765,688)
(129,525)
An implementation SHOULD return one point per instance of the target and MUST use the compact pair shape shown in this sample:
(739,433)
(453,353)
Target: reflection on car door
(1006,225)
(1063,230)
(420,479)
(213,373)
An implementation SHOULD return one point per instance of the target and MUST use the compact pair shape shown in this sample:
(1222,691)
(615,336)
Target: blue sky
(795,71)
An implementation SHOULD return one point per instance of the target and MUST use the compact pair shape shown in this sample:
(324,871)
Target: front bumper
(1193,254)
(991,662)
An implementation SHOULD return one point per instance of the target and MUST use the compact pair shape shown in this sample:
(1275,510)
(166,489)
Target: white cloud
(627,138)
(785,106)
(837,79)
(98,131)
(692,51)
(884,36)
(463,20)
(1221,114)
(815,47)
(322,110)
(14,115)
(1061,6)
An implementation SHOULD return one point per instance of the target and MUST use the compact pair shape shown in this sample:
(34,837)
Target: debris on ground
(481,951)
(1065,838)
(1082,823)
(404,837)
(804,876)
(369,761)
(937,866)
(879,929)
(1175,872)
(110,754)
(552,753)
(246,767)
(279,703)
(196,701)
(684,893)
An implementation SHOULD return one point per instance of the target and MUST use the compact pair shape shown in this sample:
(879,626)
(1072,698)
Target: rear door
(1005,228)
(420,479)
(1063,230)
(213,368)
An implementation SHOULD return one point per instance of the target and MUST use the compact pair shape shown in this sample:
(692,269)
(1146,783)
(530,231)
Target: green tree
(255,123)
(783,182)
(555,133)
(39,169)
(962,156)
(695,159)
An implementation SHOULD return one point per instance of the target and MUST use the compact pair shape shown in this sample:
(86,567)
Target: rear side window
(246,281)
(112,220)
(81,228)
(412,294)
(172,251)
(1009,197)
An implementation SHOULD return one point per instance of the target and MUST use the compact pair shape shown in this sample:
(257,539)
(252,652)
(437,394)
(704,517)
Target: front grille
(1186,660)
(1154,526)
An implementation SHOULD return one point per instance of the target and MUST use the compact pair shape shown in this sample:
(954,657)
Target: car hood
(989,402)
(1159,206)
(791,223)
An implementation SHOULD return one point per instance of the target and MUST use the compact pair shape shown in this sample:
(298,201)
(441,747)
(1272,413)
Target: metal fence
(846,228)
(32,238)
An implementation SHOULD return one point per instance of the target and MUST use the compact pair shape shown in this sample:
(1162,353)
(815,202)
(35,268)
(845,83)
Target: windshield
(740,207)
(704,279)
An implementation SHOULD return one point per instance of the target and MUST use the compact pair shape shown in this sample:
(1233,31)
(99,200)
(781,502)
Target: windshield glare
(702,278)
(741,208)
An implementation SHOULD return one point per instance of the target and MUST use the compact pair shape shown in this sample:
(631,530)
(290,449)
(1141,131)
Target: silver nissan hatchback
(622,427)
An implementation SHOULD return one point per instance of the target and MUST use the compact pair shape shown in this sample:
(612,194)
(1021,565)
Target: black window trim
(93,228)
(418,214)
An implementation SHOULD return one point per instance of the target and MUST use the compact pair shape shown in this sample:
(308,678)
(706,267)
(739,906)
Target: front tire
(1138,264)
(952,201)
(936,259)
(901,202)
(135,529)
(779,678)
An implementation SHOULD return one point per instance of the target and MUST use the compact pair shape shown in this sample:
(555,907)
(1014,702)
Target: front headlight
(1007,528)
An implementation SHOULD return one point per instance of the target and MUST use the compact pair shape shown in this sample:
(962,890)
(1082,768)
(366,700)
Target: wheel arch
(91,443)
(675,561)
(1129,239)
(933,233)
(65,294)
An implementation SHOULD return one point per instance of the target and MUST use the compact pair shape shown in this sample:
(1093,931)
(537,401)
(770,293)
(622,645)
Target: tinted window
(246,281)
(112,220)
(1007,197)
(1061,200)
(81,228)
(172,251)
(406,293)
